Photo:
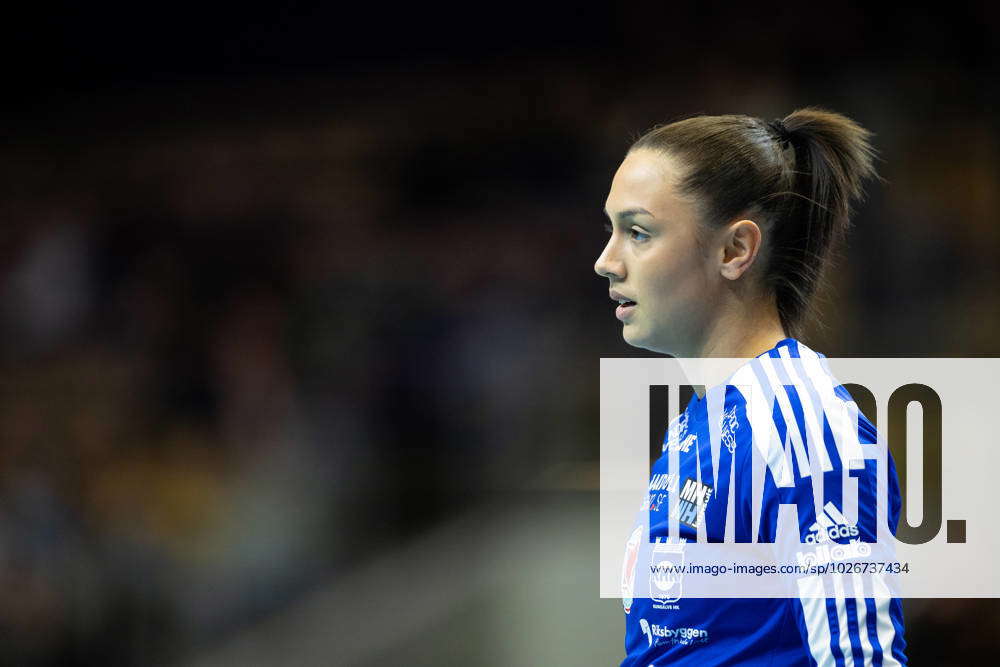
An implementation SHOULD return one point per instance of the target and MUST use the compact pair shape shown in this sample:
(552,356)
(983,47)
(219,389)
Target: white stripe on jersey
(811,596)
(836,410)
(817,456)
(883,621)
(791,423)
(814,418)
(859,602)
(764,433)
(840,603)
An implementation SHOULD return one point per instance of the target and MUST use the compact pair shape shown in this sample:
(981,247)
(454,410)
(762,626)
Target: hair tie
(778,127)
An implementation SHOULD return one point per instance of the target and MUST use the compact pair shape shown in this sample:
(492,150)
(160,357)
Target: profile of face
(670,285)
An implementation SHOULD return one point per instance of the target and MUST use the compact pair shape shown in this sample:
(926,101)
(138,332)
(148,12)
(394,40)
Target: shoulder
(791,375)
(792,398)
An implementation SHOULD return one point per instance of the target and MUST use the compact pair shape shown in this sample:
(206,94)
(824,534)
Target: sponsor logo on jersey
(728,426)
(691,501)
(663,482)
(652,502)
(628,567)
(661,634)
(827,534)
(659,484)
(831,526)
(826,553)
(678,439)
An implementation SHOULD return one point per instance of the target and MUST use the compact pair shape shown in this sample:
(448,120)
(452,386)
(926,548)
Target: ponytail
(832,159)
(798,177)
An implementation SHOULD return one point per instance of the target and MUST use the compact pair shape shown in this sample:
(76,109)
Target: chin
(633,337)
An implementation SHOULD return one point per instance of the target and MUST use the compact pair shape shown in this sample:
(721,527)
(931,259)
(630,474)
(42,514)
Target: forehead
(648,179)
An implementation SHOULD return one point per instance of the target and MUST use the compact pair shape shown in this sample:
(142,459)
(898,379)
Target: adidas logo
(831,525)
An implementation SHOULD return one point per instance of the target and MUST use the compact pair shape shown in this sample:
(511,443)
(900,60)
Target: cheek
(674,273)
(679,287)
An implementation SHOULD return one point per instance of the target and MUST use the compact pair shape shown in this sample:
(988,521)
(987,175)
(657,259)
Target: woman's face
(653,259)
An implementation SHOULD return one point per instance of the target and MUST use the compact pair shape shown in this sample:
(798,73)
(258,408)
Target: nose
(608,265)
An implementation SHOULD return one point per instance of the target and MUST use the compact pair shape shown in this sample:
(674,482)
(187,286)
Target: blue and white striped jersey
(804,408)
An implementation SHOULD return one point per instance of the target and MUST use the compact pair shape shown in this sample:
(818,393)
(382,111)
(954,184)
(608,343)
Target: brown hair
(796,177)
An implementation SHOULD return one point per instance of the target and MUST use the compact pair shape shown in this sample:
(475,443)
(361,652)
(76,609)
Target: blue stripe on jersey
(852,624)
(873,632)
(833,619)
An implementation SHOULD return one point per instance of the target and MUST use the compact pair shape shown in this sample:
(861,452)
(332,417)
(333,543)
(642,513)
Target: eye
(638,234)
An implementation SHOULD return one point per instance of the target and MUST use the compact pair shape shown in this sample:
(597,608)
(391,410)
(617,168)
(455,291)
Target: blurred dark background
(300,331)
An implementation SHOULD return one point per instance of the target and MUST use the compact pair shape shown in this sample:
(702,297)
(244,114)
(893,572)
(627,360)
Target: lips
(620,298)
(625,305)
(624,311)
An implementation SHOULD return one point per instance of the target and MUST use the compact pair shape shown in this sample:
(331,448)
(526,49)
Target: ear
(740,243)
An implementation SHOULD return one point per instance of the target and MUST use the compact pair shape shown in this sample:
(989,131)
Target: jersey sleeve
(844,617)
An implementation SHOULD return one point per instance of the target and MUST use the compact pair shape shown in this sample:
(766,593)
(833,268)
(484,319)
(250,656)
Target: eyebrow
(629,213)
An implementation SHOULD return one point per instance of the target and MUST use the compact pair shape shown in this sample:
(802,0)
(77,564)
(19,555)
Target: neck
(743,333)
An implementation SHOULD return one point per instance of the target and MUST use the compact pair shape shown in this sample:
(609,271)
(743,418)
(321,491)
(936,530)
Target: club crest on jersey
(678,439)
(665,572)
